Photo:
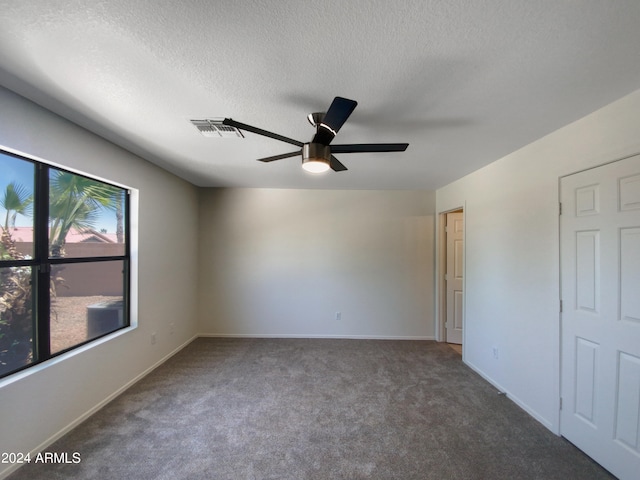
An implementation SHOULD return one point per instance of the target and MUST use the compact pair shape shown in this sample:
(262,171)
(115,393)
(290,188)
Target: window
(64,261)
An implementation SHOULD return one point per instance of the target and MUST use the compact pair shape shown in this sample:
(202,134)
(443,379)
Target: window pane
(88,302)
(16,318)
(17,178)
(86,217)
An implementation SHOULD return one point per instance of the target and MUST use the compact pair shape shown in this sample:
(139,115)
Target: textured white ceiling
(464,82)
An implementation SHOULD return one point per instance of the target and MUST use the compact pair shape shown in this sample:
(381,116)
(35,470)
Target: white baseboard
(91,411)
(293,335)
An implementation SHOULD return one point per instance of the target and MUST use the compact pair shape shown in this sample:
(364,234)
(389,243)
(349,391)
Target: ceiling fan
(317,155)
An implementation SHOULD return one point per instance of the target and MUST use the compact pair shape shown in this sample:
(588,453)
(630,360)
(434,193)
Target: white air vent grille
(213,127)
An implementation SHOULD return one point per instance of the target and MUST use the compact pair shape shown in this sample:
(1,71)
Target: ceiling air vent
(213,127)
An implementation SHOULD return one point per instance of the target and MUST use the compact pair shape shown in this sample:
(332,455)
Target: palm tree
(16,200)
(74,202)
(119,207)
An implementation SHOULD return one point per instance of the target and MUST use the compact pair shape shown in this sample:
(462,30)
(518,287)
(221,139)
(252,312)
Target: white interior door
(453,278)
(600,277)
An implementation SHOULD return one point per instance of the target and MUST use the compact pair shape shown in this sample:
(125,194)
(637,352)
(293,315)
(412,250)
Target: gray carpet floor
(314,409)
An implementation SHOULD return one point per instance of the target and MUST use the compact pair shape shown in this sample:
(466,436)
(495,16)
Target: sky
(13,169)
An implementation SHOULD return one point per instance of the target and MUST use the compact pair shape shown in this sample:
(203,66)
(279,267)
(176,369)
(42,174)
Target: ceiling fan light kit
(316,155)
(316,158)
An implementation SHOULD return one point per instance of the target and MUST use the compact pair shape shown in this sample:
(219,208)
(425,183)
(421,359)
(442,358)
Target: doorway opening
(451,278)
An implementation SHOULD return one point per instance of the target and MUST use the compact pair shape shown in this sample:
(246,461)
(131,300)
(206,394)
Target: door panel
(630,274)
(457,310)
(586,368)
(630,193)
(628,400)
(588,270)
(600,281)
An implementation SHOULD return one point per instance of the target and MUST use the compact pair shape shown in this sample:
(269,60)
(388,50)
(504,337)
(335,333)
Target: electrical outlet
(496,353)
(338,315)
(153,338)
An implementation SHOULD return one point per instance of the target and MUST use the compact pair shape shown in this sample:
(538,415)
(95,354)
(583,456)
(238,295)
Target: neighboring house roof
(25,234)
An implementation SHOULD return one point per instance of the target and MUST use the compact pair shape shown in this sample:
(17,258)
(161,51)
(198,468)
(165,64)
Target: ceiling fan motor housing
(316,151)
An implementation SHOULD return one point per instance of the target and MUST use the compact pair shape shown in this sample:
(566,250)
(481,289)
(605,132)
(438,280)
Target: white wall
(38,407)
(512,252)
(283,262)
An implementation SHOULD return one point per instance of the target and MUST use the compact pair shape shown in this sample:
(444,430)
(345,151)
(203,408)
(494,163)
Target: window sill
(36,369)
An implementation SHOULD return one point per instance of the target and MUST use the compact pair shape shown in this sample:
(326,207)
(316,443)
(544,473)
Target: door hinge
(560,208)
(446,277)
(560,403)
(560,306)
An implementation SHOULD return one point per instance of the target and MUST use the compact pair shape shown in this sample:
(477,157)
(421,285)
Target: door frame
(441,269)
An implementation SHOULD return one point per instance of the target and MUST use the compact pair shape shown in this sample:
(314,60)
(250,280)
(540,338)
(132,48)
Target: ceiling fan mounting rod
(316,118)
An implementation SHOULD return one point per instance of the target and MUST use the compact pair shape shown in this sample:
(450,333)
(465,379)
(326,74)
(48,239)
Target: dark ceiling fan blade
(339,111)
(259,131)
(336,165)
(369,147)
(281,156)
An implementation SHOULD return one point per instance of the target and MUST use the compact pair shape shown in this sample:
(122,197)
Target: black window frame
(41,263)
